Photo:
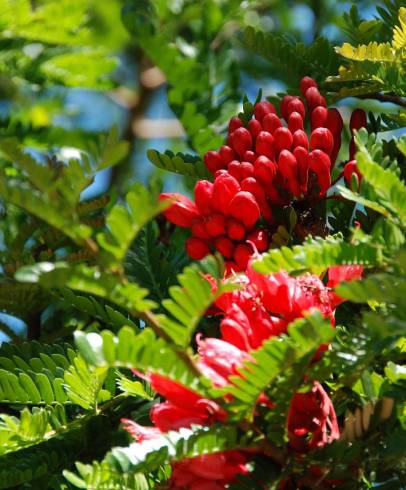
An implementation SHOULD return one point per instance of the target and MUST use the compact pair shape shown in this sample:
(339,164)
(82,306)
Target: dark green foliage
(104,285)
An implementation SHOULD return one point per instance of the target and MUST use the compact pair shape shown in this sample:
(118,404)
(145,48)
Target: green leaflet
(30,428)
(315,60)
(95,308)
(125,222)
(317,255)
(190,300)
(171,446)
(389,189)
(33,373)
(100,476)
(84,385)
(87,279)
(143,351)
(179,163)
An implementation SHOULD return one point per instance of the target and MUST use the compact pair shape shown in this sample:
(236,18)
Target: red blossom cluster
(266,164)
(261,308)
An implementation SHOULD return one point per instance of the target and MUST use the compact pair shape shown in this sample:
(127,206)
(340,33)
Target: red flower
(265,166)
(208,472)
(312,421)
(183,407)
(219,359)
(182,212)
(338,274)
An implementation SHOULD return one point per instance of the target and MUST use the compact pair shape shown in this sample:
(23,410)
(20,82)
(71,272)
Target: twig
(151,320)
(393,98)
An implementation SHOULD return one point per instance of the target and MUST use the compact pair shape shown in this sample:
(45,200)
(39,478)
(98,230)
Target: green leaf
(125,222)
(317,255)
(190,300)
(389,188)
(87,279)
(68,68)
(174,446)
(144,352)
(83,385)
(179,163)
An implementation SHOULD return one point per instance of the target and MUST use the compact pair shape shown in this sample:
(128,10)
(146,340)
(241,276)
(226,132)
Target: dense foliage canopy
(231,313)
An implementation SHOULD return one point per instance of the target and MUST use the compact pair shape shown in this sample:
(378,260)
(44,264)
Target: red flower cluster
(265,165)
(262,308)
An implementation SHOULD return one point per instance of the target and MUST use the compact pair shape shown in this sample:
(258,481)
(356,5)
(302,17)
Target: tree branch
(390,97)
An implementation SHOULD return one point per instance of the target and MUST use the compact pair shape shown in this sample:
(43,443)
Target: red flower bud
(203,196)
(182,212)
(247,170)
(306,83)
(296,105)
(288,168)
(283,139)
(319,162)
(226,154)
(265,171)
(234,168)
(245,208)
(235,229)
(225,246)
(235,123)
(262,109)
(264,144)
(351,169)
(250,184)
(216,224)
(271,122)
(302,166)
(241,140)
(313,98)
(284,105)
(196,248)
(199,230)
(322,139)
(254,127)
(249,156)
(260,239)
(334,121)
(295,122)
(300,139)
(358,119)
(318,117)
(242,255)
(213,161)
(224,189)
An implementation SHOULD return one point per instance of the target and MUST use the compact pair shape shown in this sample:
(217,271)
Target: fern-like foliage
(144,352)
(124,222)
(180,163)
(375,67)
(96,309)
(383,190)
(317,255)
(31,427)
(89,280)
(317,60)
(189,301)
(171,446)
(100,476)
(33,373)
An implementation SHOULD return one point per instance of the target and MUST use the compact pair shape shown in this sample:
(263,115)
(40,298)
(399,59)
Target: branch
(390,97)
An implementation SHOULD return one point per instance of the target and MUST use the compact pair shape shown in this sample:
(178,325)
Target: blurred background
(71,70)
